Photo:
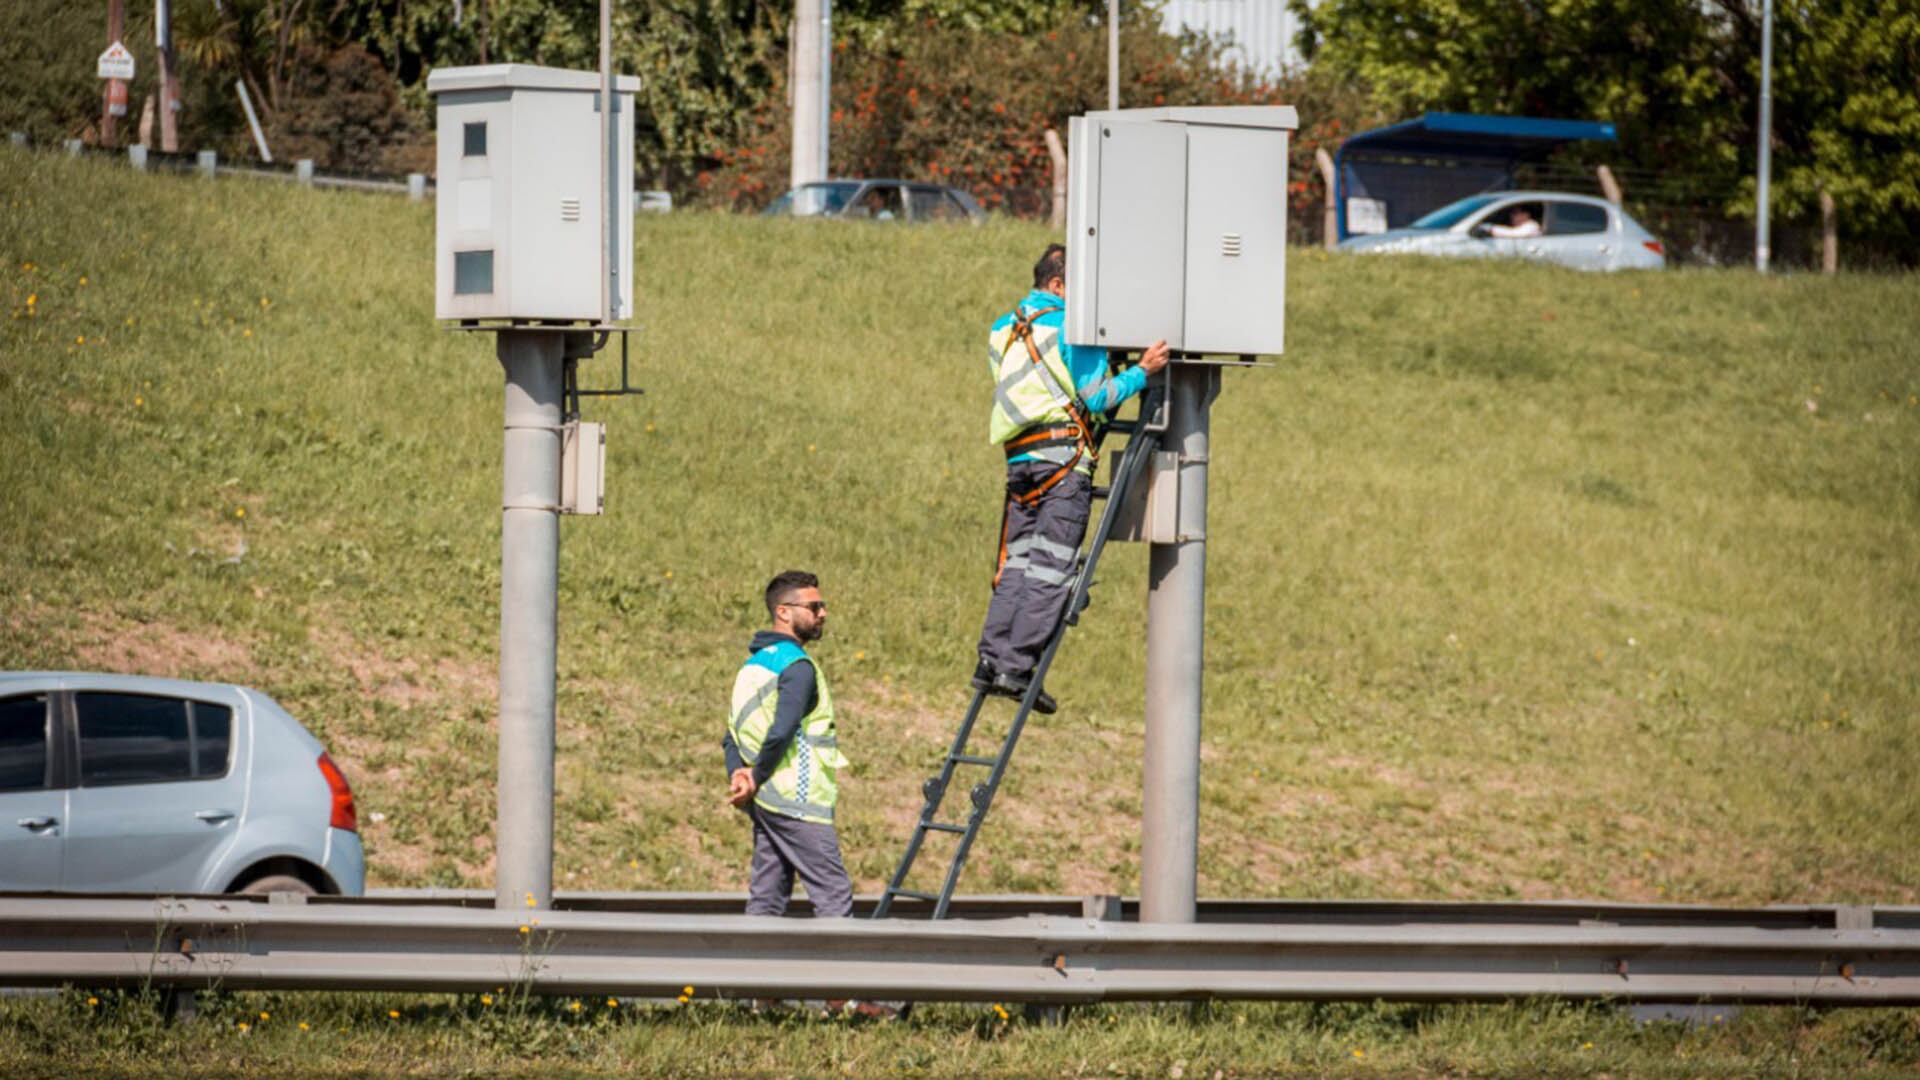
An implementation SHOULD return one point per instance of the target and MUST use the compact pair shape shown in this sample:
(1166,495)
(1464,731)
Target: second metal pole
(529,616)
(1176,643)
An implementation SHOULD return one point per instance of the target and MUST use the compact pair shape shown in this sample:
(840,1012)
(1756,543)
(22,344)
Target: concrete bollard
(416,186)
(207,162)
(74,146)
(137,156)
(303,171)
(16,138)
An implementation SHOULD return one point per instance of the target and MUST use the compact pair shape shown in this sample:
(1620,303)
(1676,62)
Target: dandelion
(486,999)
(393,1014)
(83,279)
(1359,1054)
(26,266)
(304,1027)
(92,1002)
(811,448)
(573,1005)
(1586,1046)
(33,298)
(613,1003)
(860,654)
(525,930)
(81,340)
(266,1016)
(649,429)
(129,320)
(139,402)
(245,1027)
(248,332)
(265,303)
(239,511)
(686,991)
(633,864)
(529,899)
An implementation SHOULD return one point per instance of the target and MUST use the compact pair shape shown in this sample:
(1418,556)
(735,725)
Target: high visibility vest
(804,782)
(1031,384)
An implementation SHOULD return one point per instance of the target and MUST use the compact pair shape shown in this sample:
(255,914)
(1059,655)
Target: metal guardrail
(377,944)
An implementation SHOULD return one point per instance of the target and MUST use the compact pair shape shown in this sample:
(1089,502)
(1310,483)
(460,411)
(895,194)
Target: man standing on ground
(783,758)
(1047,396)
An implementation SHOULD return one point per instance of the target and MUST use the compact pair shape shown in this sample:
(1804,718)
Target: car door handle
(214,817)
(37,823)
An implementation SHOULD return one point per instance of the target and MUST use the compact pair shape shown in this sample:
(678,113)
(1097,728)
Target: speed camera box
(1177,228)
(518,223)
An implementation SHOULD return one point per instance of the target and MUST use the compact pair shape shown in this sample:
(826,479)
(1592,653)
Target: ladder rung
(941,826)
(916,895)
(1102,492)
(1123,427)
(974,759)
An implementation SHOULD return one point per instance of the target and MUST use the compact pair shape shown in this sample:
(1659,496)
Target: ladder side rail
(930,808)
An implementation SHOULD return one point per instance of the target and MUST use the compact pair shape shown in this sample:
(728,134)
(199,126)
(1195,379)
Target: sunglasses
(815,606)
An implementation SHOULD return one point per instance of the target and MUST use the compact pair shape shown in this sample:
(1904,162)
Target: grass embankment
(1523,583)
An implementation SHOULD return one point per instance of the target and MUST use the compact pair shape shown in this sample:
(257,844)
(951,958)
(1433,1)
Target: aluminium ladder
(1143,438)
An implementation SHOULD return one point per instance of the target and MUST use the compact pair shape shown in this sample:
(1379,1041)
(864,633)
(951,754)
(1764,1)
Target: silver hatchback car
(120,783)
(1577,231)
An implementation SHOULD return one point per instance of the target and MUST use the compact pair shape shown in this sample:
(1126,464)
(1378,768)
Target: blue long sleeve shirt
(1100,393)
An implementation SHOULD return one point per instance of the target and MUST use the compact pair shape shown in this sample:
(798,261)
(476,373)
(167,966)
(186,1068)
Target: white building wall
(1258,33)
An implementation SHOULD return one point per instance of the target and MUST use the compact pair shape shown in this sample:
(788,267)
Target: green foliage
(1679,79)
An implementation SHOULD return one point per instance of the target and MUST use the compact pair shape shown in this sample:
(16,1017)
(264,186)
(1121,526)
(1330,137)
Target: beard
(810,633)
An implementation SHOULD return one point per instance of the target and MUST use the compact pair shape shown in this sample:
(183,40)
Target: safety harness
(1077,432)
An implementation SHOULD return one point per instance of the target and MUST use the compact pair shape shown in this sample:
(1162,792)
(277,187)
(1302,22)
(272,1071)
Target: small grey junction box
(1177,228)
(517,212)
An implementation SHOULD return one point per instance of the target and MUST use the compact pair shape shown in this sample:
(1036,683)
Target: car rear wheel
(278,883)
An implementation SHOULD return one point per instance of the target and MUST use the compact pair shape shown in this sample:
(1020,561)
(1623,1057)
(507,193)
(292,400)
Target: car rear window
(934,204)
(23,742)
(1568,219)
(144,739)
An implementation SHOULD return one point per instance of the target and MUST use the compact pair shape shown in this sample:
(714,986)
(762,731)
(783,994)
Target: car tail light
(344,815)
(1654,246)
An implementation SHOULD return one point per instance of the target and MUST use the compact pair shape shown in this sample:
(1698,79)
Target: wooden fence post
(1829,233)
(1330,217)
(1058,155)
(1608,185)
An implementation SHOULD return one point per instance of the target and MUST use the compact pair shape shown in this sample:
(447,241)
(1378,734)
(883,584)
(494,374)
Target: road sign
(116,62)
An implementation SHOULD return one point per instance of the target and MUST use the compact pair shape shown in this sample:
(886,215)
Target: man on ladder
(1047,397)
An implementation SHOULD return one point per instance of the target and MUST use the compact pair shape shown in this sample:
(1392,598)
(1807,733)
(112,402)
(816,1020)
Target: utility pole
(1113,54)
(808,94)
(1762,248)
(169,90)
(529,615)
(1176,660)
(115,90)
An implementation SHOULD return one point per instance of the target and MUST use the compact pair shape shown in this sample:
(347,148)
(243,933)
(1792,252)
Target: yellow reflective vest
(804,783)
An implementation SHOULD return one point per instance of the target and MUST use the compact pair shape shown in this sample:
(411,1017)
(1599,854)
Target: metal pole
(826,88)
(116,26)
(253,121)
(1762,248)
(169,95)
(1176,628)
(1113,54)
(529,616)
(806,94)
(607,158)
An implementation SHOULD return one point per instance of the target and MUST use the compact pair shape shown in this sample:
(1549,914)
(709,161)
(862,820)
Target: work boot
(1015,687)
(982,677)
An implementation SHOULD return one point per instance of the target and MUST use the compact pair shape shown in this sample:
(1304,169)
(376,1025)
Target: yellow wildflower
(524,930)
(239,511)
(83,279)
(248,332)
(244,1026)
(687,990)
(574,1005)
(81,340)
(304,1027)
(613,1003)
(266,1016)
(486,999)
(393,1014)
(92,1001)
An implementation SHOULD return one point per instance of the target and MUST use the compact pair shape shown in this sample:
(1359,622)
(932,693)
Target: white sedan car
(1577,231)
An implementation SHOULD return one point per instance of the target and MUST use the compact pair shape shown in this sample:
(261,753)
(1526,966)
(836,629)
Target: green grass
(1523,583)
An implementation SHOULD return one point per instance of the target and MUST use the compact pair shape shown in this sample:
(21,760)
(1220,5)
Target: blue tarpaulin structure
(1390,176)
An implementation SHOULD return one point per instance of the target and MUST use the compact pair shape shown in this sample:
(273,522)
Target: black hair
(785,584)
(1052,264)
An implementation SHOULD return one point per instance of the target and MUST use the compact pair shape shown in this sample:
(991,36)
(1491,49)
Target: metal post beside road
(1176,643)
(529,615)
(1762,242)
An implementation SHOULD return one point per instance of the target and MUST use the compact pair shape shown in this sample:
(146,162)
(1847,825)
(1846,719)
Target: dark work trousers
(784,847)
(1043,541)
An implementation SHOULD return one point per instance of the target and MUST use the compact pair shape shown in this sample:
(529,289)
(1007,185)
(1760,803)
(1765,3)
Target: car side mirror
(1481,231)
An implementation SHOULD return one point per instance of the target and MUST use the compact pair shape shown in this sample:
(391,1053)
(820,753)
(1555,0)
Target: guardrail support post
(17,138)
(303,171)
(74,146)
(529,616)
(1176,644)
(208,162)
(137,156)
(416,187)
